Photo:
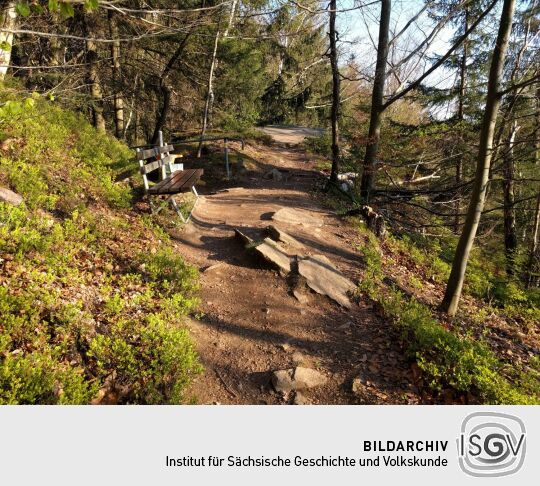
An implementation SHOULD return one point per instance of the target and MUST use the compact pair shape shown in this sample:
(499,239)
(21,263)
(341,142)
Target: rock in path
(280,236)
(242,237)
(324,278)
(294,216)
(297,379)
(274,254)
(300,297)
(274,174)
(300,399)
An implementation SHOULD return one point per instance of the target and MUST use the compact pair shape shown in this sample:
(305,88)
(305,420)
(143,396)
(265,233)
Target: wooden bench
(179,181)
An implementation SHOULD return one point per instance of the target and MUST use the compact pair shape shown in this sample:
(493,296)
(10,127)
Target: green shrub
(508,293)
(321,145)
(450,360)
(64,162)
(39,377)
(153,362)
(29,181)
(372,260)
(170,273)
(75,312)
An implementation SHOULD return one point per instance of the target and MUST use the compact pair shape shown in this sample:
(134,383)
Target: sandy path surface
(291,134)
(253,324)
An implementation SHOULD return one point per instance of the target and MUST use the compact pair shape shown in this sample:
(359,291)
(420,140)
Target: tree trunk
(335,92)
(461,117)
(165,90)
(459,265)
(232,13)
(533,264)
(209,93)
(510,236)
(161,117)
(372,148)
(58,50)
(116,76)
(8,21)
(533,267)
(96,92)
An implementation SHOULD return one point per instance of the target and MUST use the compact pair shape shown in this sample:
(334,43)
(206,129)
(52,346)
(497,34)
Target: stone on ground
(10,197)
(274,254)
(215,267)
(297,379)
(357,386)
(295,216)
(324,278)
(274,174)
(299,359)
(242,237)
(300,297)
(300,399)
(280,236)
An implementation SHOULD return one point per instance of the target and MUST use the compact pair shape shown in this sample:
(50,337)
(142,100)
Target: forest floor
(252,324)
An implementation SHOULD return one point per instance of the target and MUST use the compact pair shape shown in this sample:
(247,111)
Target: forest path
(253,325)
(290,134)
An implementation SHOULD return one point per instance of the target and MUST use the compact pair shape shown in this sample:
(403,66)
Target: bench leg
(156,208)
(173,203)
(196,200)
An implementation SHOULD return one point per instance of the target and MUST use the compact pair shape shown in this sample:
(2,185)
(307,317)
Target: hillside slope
(92,295)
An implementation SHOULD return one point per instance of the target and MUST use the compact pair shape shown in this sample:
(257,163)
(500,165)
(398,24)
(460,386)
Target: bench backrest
(154,158)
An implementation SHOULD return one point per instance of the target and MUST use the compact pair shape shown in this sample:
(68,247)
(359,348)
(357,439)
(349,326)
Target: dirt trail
(252,323)
(291,134)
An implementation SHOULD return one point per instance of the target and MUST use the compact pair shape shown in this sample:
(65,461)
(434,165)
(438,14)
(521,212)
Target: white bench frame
(163,161)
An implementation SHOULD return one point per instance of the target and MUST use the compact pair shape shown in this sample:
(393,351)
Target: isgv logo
(491,444)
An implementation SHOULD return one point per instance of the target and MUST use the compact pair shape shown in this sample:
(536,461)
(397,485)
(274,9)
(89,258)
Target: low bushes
(449,360)
(93,299)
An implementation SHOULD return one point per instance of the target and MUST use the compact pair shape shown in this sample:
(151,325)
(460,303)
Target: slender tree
(116,77)
(209,92)
(334,116)
(510,234)
(461,118)
(377,98)
(8,20)
(93,75)
(533,263)
(476,206)
(164,88)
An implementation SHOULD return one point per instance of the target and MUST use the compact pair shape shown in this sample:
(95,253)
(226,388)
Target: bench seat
(177,182)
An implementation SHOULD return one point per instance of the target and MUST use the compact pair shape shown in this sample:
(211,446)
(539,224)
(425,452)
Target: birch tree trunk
(8,21)
(372,148)
(335,92)
(116,76)
(510,235)
(209,93)
(533,264)
(232,13)
(213,65)
(461,117)
(459,265)
(533,267)
(96,91)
